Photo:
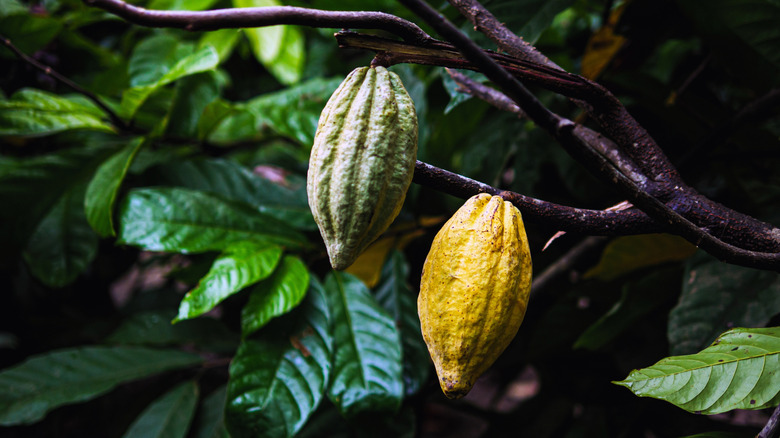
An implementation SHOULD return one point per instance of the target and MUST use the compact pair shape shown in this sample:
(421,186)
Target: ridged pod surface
(475,286)
(362,161)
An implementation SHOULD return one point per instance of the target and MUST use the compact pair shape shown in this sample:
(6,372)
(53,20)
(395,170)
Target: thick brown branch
(262,16)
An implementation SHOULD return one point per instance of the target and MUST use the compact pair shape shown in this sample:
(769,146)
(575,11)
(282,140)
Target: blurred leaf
(11,7)
(169,416)
(527,18)
(738,371)
(276,382)
(717,296)
(32,112)
(153,57)
(103,189)
(275,296)
(186,5)
(240,265)
(295,111)
(285,199)
(638,299)
(744,32)
(31,389)
(213,116)
(398,299)
(203,60)
(629,253)
(154,328)
(367,367)
(193,94)
(223,41)
(603,45)
(28,32)
(31,187)
(180,220)
(279,48)
(210,422)
(63,245)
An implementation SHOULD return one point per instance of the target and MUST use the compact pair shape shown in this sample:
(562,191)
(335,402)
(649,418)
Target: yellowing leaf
(602,46)
(629,253)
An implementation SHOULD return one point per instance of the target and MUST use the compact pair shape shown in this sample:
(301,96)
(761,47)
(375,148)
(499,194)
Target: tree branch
(115,119)
(772,427)
(262,16)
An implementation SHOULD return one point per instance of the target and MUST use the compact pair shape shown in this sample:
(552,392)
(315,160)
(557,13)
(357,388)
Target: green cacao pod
(475,286)
(362,161)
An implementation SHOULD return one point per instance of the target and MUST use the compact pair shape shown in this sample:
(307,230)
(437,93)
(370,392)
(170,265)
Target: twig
(565,263)
(262,16)
(115,119)
(772,427)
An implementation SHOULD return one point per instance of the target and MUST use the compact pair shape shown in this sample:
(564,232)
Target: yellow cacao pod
(475,286)
(362,161)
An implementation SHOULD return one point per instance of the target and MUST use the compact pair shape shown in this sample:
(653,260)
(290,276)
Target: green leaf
(629,253)
(63,245)
(223,41)
(638,299)
(240,265)
(717,296)
(31,389)
(179,220)
(278,380)
(32,112)
(210,422)
(203,60)
(285,199)
(397,298)
(275,296)
(279,48)
(193,94)
(154,328)
(367,369)
(29,32)
(186,5)
(295,111)
(527,18)
(169,416)
(104,187)
(154,56)
(738,371)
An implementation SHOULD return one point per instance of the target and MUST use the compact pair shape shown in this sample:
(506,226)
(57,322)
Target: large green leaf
(63,245)
(180,220)
(717,296)
(285,199)
(367,368)
(275,296)
(210,422)
(397,298)
(154,56)
(169,416)
(278,380)
(292,113)
(31,389)
(740,370)
(279,48)
(223,41)
(32,112)
(203,60)
(31,187)
(193,94)
(104,187)
(240,265)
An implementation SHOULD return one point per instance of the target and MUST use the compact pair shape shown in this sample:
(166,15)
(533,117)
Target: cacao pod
(362,161)
(475,286)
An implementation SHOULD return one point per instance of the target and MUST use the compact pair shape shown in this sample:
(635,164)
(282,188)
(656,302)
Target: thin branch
(115,119)
(565,263)
(262,16)
(772,427)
